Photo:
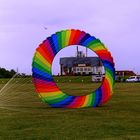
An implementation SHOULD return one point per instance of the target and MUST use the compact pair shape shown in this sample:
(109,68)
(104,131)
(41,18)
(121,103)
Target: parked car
(97,78)
(133,79)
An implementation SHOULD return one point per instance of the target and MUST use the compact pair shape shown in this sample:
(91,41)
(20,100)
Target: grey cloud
(116,23)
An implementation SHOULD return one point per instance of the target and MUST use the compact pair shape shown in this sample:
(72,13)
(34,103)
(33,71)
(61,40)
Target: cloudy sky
(115,23)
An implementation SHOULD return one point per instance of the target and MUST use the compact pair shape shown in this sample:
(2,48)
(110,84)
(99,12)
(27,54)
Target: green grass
(72,79)
(24,116)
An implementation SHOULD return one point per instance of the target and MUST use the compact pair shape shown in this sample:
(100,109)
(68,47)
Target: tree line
(10,73)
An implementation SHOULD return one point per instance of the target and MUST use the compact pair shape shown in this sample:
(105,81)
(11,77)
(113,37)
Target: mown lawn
(23,116)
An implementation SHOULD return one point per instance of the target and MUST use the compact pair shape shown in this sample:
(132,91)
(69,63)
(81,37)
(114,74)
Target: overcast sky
(115,22)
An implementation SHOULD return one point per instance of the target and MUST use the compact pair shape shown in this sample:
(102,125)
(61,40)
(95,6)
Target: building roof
(70,61)
(126,72)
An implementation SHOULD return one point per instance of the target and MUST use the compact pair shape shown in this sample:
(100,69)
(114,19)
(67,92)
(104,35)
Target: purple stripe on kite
(48,46)
(36,80)
(74,101)
(82,35)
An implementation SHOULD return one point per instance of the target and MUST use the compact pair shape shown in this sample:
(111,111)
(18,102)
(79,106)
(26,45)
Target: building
(81,65)
(125,73)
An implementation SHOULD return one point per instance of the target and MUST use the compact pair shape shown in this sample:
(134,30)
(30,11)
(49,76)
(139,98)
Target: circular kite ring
(42,76)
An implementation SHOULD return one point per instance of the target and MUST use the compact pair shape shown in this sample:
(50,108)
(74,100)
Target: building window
(89,69)
(77,69)
(81,69)
(85,69)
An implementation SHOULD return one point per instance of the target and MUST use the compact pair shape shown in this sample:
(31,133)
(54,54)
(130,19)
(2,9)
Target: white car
(97,78)
(133,79)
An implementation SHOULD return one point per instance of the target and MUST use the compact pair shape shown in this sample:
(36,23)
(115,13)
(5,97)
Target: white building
(81,65)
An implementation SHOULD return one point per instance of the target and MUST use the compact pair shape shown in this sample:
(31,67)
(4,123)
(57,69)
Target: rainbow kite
(42,76)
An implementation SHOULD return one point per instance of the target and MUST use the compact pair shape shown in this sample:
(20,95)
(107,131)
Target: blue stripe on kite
(64,102)
(86,42)
(42,77)
(52,45)
(55,41)
(37,71)
(98,97)
(110,66)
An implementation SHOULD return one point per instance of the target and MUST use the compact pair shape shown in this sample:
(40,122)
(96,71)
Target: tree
(6,74)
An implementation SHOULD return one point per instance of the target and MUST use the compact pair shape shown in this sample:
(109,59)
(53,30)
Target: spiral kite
(42,75)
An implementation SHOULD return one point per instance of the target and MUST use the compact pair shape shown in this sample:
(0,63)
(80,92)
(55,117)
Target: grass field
(23,116)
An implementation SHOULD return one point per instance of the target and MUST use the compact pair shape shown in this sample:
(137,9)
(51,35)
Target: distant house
(81,65)
(124,73)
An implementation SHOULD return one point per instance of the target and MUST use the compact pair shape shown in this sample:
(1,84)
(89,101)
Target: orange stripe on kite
(45,54)
(71,41)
